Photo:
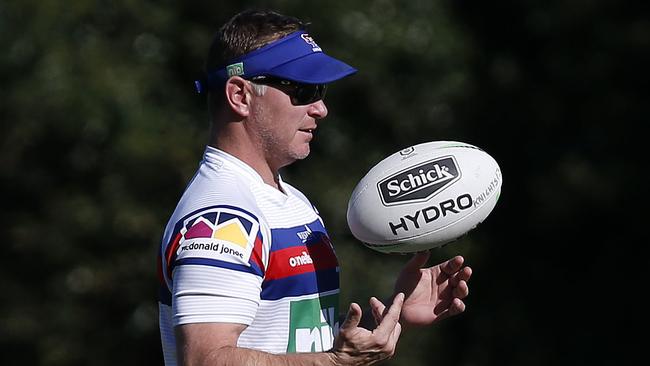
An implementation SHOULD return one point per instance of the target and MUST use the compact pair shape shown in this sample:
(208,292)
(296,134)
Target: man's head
(266,78)
(243,33)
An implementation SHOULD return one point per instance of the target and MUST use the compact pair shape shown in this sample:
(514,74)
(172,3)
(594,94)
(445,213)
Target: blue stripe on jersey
(302,284)
(288,237)
(221,264)
(164,296)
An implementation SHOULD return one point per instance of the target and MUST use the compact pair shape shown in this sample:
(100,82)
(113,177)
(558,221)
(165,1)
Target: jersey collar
(216,158)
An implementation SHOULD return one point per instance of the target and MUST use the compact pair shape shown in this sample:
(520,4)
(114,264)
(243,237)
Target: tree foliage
(101,130)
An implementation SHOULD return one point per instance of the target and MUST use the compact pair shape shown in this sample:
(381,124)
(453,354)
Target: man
(248,274)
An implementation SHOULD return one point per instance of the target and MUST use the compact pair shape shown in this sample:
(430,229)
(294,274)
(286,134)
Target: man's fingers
(353,318)
(418,260)
(461,290)
(448,309)
(453,265)
(377,308)
(457,306)
(452,268)
(391,317)
(463,274)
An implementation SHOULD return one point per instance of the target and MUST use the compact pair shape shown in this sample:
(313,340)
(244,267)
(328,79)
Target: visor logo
(420,182)
(310,41)
(235,69)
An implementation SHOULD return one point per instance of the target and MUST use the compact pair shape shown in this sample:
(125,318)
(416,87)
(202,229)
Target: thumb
(353,318)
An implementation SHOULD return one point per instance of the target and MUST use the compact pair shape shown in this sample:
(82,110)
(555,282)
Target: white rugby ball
(424,196)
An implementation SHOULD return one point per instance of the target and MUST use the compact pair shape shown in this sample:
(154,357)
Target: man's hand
(433,293)
(359,346)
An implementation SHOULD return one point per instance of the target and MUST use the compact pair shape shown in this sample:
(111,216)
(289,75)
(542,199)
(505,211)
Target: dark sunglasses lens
(309,93)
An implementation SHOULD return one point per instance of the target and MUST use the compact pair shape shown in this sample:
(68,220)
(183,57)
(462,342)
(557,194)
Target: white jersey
(237,250)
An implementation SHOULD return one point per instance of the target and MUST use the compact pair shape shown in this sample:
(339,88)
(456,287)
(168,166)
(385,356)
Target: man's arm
(215,344)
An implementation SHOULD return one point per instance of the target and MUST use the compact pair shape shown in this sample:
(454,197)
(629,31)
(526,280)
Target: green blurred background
(101,130)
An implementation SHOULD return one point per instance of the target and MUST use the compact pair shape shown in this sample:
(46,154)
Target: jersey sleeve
(214,266)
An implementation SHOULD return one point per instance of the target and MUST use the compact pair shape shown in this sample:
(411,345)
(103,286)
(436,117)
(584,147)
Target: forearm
(236,356)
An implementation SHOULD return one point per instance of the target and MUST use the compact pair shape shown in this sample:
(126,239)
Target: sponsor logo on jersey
(218,234)
(316,253)
(303,235)
(313,324)
(420,182)
(300,260)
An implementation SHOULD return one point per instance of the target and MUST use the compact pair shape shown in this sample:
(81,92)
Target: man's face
(284,130)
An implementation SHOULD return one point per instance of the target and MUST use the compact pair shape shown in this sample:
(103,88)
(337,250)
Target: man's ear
(238,95)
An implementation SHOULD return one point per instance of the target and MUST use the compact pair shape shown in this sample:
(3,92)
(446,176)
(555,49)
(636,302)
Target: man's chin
(295,156)
(300,157)
(302,154)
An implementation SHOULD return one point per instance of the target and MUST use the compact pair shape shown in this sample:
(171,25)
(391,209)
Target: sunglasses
(300,93)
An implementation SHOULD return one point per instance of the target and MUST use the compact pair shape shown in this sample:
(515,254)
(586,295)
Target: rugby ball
(424,196)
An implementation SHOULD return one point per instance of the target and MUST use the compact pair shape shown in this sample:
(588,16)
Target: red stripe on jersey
(256,256)
(300,259)
(171,253)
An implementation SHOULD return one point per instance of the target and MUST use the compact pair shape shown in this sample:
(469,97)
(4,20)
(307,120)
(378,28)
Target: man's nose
(317,109)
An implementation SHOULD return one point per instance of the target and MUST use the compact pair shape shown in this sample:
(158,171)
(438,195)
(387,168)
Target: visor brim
(315,68)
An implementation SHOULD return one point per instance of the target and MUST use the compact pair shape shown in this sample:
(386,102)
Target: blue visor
(295,57)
